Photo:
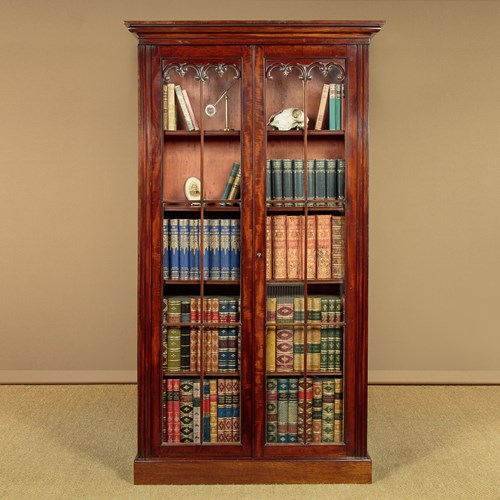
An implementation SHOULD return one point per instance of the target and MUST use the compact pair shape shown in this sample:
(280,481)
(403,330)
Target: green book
(287,181)
(272,410)
(230,180)
(327,411)
(331,180)
(332,108)
(311,185)
(173,349)
(277,180)
(341,179)
(269,192)
(298,180)
(320,180)
(338,333)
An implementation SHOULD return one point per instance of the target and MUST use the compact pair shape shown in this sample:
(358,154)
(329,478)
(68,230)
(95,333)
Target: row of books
(305,410)
(285,344)
(325,181)
(182,243)
(292,245)
(188,309)
(182,349)
(189,416)
(331,103)
(176,103)
(233,184)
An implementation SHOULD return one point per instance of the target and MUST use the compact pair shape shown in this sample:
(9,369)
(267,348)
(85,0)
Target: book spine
(186,410)
(284,335)
(213,410)
(269,191)
(327,411)
(287,179)
(320,180)
(164,348)
(341,179)
(166,402)
(332,108)
(309,410)
(236,410)
(173,310)
(221,411)
(331,180)
(234,250)
(298,334)
(183,106)
(269,248)
(225,249)
(322,107)
(223,357)
(298,181)
(194,348)
(230,181)
(293,247)
(338,416)
(185,348)
(214,249)
(166,251)
(184,248)
(174,251)
(279,246)
(171,111)
(324,246)
(317,409)
(206,249)
(190,109)
(338,109)
(323,363)
(214,355)
(272,411)
(176,411)
(292,427)
(174,349)
(301,411)
(311,247)
(283,385)
(196,412)
(194,249)
(165,107)
(271,334)
(311,177)
(337,348)
(277,180)
(206,411)
(234,191)
(338,245)
(232,364)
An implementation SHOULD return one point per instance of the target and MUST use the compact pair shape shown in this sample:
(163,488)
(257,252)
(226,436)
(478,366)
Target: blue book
(311,184)
(206,249)
(341,179)
(320,179)
(332,108)
(194,249)
(234,257)
(277,180)
(269,190)
(331,179)
(298,180)
(174,249)
(214,269)
(206,411)
(166,251)
(184,248)
(225,249)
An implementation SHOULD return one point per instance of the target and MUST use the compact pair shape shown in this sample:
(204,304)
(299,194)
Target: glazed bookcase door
(308,173)
(202,335)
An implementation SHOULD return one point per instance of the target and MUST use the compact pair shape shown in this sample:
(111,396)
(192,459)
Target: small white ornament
(287,119)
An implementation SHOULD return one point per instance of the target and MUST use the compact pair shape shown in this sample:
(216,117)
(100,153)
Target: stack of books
(176,103)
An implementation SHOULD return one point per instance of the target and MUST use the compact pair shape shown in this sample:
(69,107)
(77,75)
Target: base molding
(253,471)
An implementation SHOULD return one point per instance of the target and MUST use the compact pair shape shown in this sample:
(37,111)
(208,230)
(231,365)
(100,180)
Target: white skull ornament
(287,119)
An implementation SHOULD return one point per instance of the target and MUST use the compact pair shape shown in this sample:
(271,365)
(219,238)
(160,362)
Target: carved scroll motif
(305,70)
(201,71)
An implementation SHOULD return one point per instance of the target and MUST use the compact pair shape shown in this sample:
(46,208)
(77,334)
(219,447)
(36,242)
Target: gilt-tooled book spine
(338,334)
(338,246)
(284,334)
(271,334)
(174,349)
(338,96)
(328,411)
(235,190)
(214,355)
(277,180)
(341,179)
(279,246)
(292,431)
(333,108)
(223,350)
(184,110)
(232,364)
(194,249)
(174,251)
(311,178)
(313,333)
(230,180)
(272,410)
(185,310)
(309,410)
(207,350)
(194,309)
(301,406)
(331,180)
(164,410)
(234,250)
(322,107)
(213,410)
(236,410)
(173,310)
(206,411)
(293,247)
(283,394)
(269,191)
(338,423)
(206,249)
(164,350)
(221,411)
(176,411)
(317,409)
(298,334)
(194,334)
(166,251)
(184,248)
(298,180)
(196,412)
(320,180)
(324,335)
(324,246)
(225,249)
(287,182)
(186,409)
(165,107)
(171,109)
(185,348)
(330,348)
(215,249)
(269,249)
(311,248)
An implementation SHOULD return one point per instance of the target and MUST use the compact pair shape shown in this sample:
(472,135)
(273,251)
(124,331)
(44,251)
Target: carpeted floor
(72,442)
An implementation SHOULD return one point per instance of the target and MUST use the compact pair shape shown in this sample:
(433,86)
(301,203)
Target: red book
(324,247)
(311,247)
(279,246)
(293,247)
(176,411)
(338,246)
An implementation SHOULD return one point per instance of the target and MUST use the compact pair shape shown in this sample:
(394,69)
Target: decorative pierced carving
(200,70)
(305,70)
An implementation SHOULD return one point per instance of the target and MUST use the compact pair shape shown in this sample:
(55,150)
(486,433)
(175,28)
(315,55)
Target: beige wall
(68,206)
